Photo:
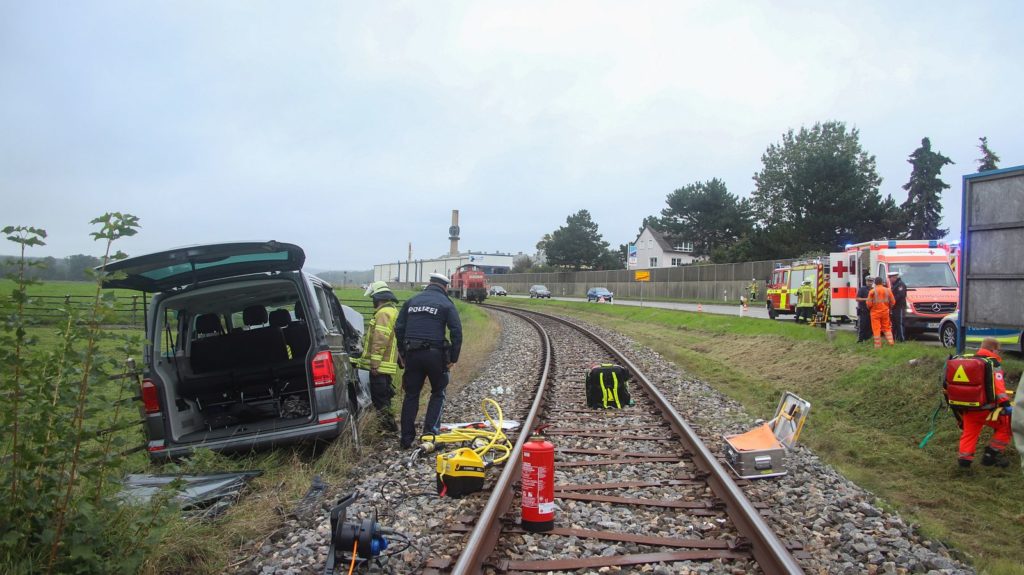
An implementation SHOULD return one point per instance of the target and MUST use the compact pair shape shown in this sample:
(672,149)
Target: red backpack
(969,382)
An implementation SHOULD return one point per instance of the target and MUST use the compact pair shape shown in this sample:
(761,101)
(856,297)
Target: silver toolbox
(761,452)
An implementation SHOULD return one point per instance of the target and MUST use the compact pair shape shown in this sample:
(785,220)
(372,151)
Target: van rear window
(168,271)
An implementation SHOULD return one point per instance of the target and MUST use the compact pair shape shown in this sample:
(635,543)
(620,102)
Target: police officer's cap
(375,287)
(439,279)
(807,282)
(894,273)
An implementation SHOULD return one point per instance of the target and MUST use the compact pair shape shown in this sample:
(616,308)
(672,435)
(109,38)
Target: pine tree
(923,209)
(989,159)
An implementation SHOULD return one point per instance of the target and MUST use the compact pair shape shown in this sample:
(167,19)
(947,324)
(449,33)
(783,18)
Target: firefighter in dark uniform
(420,330)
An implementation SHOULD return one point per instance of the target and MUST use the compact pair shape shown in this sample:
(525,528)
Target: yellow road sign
(642,276)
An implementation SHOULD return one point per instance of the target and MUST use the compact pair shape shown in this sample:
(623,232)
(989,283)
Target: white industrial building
(418,271)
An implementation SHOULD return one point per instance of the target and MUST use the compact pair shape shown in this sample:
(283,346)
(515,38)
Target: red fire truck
(785,280)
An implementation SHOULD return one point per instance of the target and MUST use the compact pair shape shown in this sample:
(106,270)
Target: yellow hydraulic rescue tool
(461,472)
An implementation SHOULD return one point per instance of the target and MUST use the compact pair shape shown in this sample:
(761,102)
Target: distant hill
(71,268)
(74,268)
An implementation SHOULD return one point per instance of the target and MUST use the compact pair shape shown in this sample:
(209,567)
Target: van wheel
(772,314)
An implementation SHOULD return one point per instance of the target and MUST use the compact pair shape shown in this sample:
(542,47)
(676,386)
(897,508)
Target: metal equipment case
(761,452)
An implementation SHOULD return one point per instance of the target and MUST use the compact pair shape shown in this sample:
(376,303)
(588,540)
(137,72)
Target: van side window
(325,312)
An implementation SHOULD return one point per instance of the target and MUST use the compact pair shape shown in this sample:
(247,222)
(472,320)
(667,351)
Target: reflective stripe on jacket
(997,373)
(880,298)
(379,344)
(805,296)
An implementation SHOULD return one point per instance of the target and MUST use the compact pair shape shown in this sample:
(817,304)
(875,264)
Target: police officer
(899,291)
(420,330)
(863,315)
(380,354)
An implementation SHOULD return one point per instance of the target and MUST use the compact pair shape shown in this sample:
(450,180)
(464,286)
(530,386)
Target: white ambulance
(924,265)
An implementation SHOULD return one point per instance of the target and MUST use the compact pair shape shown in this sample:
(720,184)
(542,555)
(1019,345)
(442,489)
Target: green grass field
(870,411)
(210,547)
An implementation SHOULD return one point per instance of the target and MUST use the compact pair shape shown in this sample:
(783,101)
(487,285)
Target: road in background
(758,311)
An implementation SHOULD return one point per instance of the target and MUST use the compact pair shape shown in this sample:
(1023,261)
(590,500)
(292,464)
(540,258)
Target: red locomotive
(469,282)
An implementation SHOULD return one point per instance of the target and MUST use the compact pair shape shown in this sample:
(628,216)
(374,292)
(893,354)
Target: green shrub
(67,424)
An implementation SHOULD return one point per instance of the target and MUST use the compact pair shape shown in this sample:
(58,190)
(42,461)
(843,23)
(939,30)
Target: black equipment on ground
(606,386)
(362,539)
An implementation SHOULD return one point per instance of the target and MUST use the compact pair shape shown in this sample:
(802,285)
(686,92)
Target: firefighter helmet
(376,287)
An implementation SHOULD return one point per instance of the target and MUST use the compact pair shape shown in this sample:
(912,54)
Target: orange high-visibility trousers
(881,323)
(973,422)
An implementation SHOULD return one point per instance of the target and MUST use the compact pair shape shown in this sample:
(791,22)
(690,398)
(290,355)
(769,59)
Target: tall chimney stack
(453,234)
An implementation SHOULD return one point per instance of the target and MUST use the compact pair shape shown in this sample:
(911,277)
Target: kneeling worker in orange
(880,301)
(997,416)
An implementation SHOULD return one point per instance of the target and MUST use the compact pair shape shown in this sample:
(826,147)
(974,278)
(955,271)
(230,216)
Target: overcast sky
(354,128)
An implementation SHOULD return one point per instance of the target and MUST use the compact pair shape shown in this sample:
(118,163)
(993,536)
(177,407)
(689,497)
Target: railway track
(670,506)
(840,527)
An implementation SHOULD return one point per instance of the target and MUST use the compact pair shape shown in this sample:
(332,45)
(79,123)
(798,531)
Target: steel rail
(768,550)
(482,540)
(771,554)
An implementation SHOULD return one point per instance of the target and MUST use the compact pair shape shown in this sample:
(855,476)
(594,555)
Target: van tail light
(150,401)
(323,369)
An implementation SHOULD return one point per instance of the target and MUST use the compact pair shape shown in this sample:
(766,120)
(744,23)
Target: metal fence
(128,311)
(47,309)
(721,282)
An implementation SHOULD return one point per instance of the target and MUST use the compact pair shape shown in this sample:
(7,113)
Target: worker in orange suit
(880,302)
(995,415)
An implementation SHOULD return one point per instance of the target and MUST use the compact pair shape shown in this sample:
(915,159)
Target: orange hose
(352,566)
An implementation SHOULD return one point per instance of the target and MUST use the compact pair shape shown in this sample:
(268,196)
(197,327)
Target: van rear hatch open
(164,271)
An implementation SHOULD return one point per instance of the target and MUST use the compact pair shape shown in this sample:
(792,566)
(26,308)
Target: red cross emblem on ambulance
(840,268)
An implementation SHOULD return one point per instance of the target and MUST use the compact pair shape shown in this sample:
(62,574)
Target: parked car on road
(599,294)
(1009,339)
(498,290)
(539,291)
(244,350)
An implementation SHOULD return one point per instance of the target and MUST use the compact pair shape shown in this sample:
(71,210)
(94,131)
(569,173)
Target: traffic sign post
(642,276)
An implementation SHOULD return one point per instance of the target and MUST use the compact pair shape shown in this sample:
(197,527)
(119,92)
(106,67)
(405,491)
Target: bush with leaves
(67,423)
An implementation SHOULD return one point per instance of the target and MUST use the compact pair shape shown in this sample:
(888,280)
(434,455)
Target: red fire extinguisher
(538,500)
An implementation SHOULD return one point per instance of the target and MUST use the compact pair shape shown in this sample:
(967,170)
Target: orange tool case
(761,452)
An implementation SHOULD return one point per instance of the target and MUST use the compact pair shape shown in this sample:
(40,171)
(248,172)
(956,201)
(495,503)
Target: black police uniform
(863,314)
(896,314)
(420,330)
